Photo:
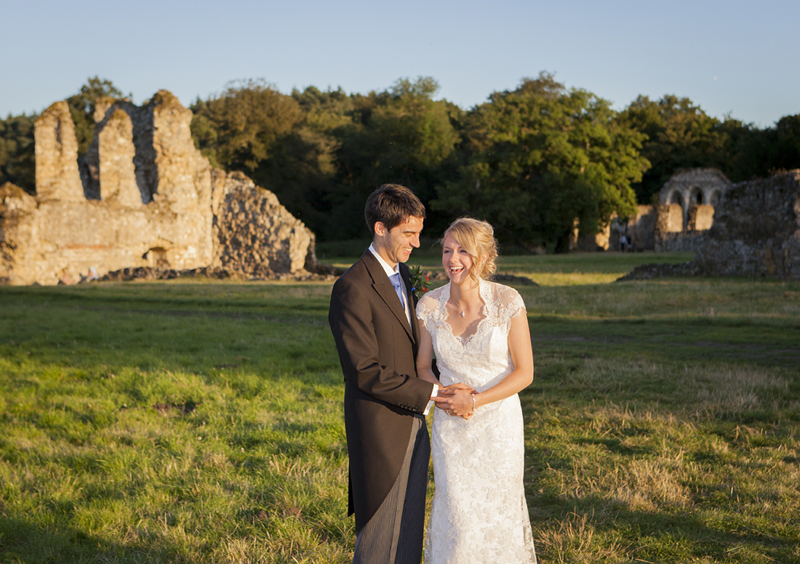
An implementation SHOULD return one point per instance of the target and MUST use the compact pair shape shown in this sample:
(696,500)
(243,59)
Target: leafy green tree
(303,170)
(401,135)
(541,156)
(82,106)
(17,164)
(745,150)
(679,135)
(242,127)
(284,143)
(786,152)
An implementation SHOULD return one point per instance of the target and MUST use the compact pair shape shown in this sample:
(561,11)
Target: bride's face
(456,261)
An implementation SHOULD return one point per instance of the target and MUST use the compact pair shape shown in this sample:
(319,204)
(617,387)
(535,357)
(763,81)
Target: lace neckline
(465,338)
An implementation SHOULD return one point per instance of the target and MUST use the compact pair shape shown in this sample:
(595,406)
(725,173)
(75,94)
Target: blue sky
(730,57)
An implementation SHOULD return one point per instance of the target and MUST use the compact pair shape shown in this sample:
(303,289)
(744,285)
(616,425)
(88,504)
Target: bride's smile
(457,262)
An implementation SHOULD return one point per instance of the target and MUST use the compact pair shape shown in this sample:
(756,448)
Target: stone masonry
(756,233)
(756,230)
(143,196)
(686,208)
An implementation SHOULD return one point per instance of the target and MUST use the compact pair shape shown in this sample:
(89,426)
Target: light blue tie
(398,287)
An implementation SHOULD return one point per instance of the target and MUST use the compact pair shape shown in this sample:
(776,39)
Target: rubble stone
(142,197)
(756,233)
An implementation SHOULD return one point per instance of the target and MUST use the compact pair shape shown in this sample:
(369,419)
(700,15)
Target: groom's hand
(456,400)
(449,390)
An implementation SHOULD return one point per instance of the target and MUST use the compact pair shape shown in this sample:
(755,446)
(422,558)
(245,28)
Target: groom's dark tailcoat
(377,349)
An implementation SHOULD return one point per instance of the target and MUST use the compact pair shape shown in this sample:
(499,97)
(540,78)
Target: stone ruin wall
(685,212)
(756,230)
(756,233)
(143,195)
(686,208)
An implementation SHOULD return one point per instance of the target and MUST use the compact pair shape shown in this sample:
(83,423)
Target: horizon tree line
(529,160)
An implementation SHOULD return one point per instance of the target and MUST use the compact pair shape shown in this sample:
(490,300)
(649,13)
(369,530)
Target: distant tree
(541,156)
(82,106)
(17,161)
(679,135)
(400,135)
(241,128)
(303,169)
(745,150)
(786,152)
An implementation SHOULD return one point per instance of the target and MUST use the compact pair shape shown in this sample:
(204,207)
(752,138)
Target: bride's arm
(519,343)
(425,356)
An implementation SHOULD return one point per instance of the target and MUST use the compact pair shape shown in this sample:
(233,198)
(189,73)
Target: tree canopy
(17,164)
(542,156)
(530,160)
(82,106)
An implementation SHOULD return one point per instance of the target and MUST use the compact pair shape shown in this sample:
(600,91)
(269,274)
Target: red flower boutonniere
(419,281)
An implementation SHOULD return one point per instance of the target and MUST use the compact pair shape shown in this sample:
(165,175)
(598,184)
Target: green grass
(202,422)
(577,269)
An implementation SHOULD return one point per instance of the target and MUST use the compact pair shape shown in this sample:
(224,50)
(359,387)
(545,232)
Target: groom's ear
(379,229)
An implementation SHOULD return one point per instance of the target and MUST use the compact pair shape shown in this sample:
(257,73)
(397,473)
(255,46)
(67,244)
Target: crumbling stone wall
(597,242)
(700,218)
(686,208)
(693,187)
(756,232)
(641,229)
(142,196)
(56,152)
(253,234)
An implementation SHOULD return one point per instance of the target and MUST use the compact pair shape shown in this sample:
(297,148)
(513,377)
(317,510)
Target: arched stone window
(675,197)
(696,197)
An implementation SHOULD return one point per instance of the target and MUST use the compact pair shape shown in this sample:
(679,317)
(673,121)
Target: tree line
(529,160)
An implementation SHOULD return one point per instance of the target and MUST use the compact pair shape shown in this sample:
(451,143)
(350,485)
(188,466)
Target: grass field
(201,422)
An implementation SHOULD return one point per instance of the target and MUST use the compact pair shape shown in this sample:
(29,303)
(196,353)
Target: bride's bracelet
(473,402)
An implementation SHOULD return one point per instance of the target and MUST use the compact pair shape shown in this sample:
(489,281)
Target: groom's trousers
(394,534)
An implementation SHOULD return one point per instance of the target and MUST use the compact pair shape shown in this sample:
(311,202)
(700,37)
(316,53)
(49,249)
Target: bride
(479,333)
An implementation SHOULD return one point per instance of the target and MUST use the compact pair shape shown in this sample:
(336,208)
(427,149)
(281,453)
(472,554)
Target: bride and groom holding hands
(477,331)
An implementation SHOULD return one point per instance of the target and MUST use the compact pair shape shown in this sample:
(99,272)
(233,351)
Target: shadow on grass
(678,536)
(22,540)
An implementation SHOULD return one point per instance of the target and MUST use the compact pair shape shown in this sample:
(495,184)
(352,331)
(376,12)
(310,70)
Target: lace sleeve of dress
(425,308)
(511,303)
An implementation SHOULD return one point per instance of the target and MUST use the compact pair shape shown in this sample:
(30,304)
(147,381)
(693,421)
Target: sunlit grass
(193,421)
(574,269)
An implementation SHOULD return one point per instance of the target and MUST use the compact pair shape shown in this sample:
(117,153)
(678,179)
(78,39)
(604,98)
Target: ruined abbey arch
(693,187)
(686,207)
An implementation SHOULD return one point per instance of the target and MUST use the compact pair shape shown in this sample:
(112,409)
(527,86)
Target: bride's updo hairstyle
(477,238)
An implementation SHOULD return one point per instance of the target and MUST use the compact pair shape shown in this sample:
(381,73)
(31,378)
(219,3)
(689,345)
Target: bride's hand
(457,402)
(451,389)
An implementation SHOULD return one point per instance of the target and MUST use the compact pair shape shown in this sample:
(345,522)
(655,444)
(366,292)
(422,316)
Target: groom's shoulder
(358,273)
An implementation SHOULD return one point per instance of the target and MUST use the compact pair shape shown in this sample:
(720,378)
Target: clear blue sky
(732,56)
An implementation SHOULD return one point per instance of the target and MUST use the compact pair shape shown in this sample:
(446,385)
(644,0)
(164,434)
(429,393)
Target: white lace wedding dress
(479,511)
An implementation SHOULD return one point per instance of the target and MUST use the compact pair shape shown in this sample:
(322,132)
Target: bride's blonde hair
(477,238)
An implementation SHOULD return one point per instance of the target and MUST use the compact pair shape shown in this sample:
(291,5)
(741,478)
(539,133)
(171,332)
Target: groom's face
(395,245)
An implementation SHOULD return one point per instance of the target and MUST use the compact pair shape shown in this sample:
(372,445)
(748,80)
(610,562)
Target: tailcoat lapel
(383,286)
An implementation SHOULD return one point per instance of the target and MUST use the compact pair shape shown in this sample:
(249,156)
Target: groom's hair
(392,204)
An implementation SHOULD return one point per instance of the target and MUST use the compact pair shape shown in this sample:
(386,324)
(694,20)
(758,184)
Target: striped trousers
(395,533)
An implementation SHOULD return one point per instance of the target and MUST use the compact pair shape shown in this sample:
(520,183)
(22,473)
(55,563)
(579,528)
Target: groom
(375,328)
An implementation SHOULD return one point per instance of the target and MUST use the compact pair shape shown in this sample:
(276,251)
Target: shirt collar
(388,269)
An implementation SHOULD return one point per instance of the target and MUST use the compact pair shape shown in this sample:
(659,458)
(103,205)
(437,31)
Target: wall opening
(675,197)
(156,257)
